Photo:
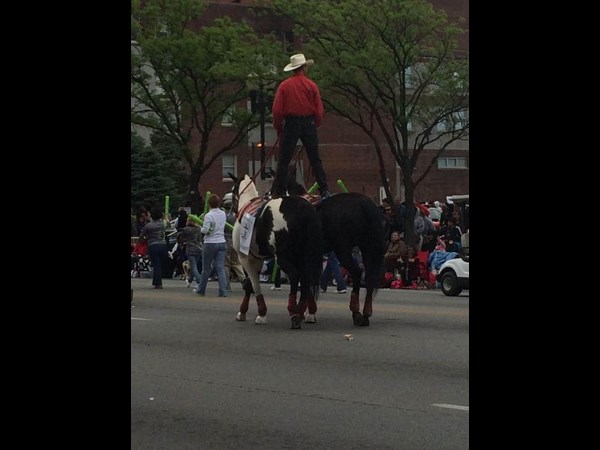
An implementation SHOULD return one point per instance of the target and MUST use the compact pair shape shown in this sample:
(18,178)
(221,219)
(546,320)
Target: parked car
(454,273)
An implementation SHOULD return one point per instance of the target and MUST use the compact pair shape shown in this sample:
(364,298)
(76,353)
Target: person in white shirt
(435,212)
(215,246)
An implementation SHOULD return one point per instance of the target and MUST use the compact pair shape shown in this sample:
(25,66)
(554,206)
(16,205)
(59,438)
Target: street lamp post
(261,106)
(257,101)
(253,167)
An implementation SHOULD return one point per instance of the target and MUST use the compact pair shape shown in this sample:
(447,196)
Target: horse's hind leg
(292,296)
(307,301)
(373,274)
(347,261)
(367,307)
(311,304)
(357,317)
(294,308)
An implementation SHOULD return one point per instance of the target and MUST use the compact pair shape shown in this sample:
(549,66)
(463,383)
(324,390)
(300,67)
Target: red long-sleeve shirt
(297,96)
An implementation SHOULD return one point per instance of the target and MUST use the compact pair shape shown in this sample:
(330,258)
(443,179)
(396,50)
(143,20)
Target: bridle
(234,190)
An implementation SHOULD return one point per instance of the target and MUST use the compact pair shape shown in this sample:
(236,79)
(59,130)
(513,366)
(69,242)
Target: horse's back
(351,218)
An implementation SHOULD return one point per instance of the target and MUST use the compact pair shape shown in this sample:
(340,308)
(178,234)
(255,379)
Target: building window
(459,119)
(410,77)
(227,119)
(452,162)
(455,122)
(229,165)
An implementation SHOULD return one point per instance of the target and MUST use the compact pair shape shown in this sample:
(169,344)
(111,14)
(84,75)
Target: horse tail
(313,255)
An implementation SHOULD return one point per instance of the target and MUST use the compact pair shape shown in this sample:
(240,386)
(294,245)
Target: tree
(175,167)
(392,68)
(150,176)
(185,79)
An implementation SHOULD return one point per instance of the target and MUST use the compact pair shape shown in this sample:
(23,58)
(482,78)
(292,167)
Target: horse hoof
(357,318)
(310,318)
(260,320)
(240,317)
(296,322)
(365,321)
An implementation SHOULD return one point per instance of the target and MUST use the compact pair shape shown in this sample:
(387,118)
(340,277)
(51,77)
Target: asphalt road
(202,380)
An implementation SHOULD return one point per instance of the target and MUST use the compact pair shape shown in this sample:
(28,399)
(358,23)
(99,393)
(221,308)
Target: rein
(253,178)
(267,156)
(295,160)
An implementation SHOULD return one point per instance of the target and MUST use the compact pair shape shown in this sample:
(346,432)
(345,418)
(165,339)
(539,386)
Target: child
(409,269)
(139,257)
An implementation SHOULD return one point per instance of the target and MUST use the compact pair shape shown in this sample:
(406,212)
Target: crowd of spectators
(409,263)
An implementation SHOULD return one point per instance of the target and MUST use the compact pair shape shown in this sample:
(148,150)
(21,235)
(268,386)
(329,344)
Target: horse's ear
(233,177)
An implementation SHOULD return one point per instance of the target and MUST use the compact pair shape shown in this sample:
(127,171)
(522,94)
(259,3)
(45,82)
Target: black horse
(287,228)
(349,220)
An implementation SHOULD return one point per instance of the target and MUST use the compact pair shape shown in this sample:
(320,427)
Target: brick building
(346,152)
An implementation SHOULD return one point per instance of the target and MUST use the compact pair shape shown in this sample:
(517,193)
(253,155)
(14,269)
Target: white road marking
(139,318)
(446,405)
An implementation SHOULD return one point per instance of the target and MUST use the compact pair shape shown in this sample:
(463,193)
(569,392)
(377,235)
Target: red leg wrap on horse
(292,304)
(262,307)
(368,306)
(245,304)
(354,303)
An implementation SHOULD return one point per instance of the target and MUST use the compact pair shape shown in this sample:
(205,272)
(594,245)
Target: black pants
(157,253)
(295,128)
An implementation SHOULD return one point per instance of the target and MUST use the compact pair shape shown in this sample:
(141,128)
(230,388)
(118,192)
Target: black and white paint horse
(287,228)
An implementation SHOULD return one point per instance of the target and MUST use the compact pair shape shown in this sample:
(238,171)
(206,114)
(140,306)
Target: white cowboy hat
(297,61)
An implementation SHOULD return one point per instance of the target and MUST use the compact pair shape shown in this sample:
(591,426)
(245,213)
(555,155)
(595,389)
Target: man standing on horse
(297,113)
